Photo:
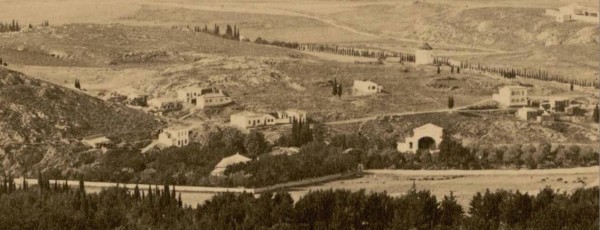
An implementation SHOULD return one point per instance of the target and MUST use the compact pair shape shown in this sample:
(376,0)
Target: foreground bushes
(61,207)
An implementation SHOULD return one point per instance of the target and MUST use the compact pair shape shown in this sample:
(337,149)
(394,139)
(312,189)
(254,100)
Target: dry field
(463,184)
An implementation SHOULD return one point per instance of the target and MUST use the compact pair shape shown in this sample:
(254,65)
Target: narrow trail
(370,118)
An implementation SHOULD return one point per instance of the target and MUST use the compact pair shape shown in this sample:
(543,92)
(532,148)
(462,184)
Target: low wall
(305,182)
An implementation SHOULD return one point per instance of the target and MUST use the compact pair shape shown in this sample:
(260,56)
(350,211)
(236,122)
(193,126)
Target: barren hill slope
(34,112)
(120,45)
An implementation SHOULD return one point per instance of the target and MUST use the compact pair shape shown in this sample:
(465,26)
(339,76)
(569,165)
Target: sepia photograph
(300,114)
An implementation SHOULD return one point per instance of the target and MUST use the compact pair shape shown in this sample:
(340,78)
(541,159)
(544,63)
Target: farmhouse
(511,96)
(227,161)
(574,12)
(427,137)
(203,97)
(365,87)
(173,136)
(248,119)
(165,104)
(424,55)
(527,114)
(96,141)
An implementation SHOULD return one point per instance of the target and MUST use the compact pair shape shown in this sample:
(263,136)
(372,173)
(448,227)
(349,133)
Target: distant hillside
(118,45)
(34,111)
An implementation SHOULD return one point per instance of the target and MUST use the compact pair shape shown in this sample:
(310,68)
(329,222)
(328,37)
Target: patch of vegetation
(59,206)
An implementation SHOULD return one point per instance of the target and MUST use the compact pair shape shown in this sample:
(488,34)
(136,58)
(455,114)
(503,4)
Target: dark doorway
(193,101)
(426,143)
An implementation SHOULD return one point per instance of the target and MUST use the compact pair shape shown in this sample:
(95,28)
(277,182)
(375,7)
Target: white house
(188,95)
(203,97)
(575,12)
(173,136)
(424,55)
(248,119)
(511,96)
(227,161)
(212,100)
(528,113)
(365,87)
(165,104)
(96,141)
(428,136)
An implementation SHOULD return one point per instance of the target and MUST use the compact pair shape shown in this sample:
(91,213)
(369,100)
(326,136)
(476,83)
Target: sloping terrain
(34,111)
(119,45)
(39,120)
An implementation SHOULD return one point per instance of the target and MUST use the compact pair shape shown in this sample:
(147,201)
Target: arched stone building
(428,136)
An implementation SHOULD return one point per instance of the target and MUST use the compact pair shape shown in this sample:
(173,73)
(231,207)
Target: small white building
(212,100)
(188,95)
(365,87)
(428,136)
(528,113)
(575,12)
(165,104)
(174,136)
(248,119)
(227,161)
(424,55)
(511,96)
(96,141)
(203,97)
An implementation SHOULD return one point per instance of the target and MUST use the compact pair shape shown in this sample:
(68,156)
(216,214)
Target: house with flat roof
(248,119)
(365,87)
(512,95)
(174,136)
(575,12)
(424,55)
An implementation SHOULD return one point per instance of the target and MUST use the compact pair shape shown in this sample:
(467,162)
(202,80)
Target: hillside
(93,45)
(38,119)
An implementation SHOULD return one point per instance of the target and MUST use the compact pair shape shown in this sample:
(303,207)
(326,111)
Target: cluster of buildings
(192,97)
(247,119)
(542,109)
(574,12)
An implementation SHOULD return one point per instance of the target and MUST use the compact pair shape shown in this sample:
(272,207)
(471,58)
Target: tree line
(14,26)
(349,51)
(59,206)
(341,153)
(231,32)
(511,73)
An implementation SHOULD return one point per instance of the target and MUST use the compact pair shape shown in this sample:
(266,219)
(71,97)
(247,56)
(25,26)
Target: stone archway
(426,143)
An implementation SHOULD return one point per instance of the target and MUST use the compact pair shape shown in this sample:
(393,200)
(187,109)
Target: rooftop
(425,46)
(237,158)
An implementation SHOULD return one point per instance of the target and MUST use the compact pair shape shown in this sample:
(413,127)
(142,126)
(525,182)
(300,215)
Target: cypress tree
(450,102)
(457,69)
(595,116)
(339,90)
(452,69)
(334,87)
(438,70)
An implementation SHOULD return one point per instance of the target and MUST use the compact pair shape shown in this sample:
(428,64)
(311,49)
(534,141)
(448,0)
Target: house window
(410,145)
